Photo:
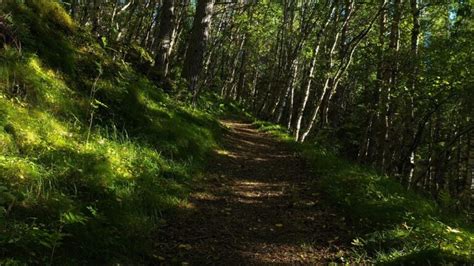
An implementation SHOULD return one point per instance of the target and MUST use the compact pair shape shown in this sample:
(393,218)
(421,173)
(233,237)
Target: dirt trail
(257,207)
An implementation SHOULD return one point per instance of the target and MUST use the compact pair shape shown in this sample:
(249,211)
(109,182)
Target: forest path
(258,206)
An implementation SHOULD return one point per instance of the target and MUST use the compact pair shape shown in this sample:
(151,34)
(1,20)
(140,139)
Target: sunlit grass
(49,168)
(391,225)
(276,130)
(85,184)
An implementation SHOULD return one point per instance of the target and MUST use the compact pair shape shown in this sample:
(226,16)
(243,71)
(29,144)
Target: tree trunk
(95,16)
(372,141)
(332,80)
(410,168)
(253,92)
(389,83)
(290,87)
(165,35)
(310,76)
(112,19)
(291,104)
(242,93)
(317,106)
(327,84)
(127,22)
(197,45)
(230,86)
(73,9)
(469,187)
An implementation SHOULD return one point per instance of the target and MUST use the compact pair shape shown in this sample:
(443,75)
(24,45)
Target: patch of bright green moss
(92,154)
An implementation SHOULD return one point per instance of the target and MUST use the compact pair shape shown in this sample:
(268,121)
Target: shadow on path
(258,206)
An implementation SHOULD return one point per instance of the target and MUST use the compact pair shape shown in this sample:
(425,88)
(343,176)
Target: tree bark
(409,169)
(469,187)
(332,82)
(95,16)
(290,87)
(310,76)
(164,39)
(372,141)
(193,62)
(389,83)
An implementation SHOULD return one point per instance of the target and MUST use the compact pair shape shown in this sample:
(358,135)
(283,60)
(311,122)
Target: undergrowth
(391,225)
(92,155)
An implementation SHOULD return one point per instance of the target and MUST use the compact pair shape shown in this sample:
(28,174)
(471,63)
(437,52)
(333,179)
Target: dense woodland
(387,84)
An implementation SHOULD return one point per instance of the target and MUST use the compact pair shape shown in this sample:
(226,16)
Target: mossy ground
(92,154)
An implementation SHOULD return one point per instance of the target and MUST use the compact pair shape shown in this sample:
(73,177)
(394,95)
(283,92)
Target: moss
(43,28)
(92,154)
(53,12)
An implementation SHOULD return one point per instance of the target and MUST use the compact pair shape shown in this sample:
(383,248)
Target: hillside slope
(92,154)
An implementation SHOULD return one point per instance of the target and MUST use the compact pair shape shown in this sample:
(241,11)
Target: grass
(93,156)
(390,224)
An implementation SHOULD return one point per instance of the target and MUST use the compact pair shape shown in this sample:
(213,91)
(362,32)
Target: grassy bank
(390,224)
(92,154)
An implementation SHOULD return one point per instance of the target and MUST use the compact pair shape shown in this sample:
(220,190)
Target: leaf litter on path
(259,204)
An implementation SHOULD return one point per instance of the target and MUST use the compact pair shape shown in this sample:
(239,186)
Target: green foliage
(219,107)
(273,129)
(44,28)
(391,225)
(92,154)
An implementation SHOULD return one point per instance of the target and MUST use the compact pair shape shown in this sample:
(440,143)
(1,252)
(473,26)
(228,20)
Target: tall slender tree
(193,62)
(166,33)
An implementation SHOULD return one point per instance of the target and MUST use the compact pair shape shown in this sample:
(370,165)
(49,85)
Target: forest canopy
(387,83)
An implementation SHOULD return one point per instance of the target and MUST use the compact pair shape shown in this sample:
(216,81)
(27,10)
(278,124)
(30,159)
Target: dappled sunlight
(228,154)
(222,152)
(255,184)
(205,196)
(238,132)
(255,190)
(258,194)
(250,200)
(254,210)
(187,205)
(88,138)
(288,254)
